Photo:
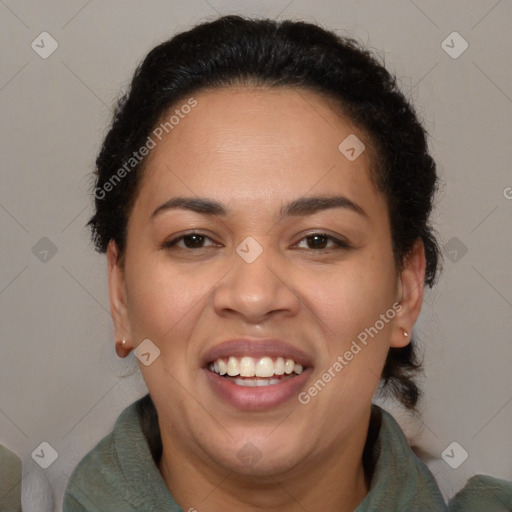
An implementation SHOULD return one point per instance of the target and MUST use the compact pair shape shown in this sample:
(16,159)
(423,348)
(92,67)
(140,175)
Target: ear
(118,308)
(411,281)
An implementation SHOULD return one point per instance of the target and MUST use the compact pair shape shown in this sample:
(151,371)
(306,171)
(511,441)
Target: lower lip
(259,397)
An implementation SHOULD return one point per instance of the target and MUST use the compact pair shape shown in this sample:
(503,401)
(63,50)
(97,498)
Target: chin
(258,457)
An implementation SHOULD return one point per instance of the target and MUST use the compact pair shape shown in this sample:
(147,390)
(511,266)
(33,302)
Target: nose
(256,290)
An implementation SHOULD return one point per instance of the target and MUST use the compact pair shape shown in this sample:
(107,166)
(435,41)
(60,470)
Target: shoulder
(120,473)
(483,492)
(99,480)
(10,478)
(400,480)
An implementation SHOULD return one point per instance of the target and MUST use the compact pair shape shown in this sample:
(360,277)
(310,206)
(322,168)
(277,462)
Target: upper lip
(256,347)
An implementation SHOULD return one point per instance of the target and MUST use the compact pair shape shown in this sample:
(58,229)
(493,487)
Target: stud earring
(404,332)
(122,349)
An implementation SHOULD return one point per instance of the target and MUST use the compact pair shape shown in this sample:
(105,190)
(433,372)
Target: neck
(333,480)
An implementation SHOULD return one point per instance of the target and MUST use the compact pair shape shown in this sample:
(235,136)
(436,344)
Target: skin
(253,150)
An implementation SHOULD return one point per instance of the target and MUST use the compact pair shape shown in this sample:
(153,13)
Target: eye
(314,241)
(319,241)
(190,241)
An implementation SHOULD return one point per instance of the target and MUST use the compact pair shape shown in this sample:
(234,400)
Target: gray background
(60,381)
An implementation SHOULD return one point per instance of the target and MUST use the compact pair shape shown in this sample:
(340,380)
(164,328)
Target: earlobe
(410,294)
(118,306)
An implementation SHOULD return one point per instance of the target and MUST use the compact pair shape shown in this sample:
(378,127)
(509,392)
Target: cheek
(352,297)
(163,303)
(350,303)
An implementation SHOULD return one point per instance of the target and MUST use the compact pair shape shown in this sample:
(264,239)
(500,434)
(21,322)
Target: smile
(255,367)
(256,383)
(256,372)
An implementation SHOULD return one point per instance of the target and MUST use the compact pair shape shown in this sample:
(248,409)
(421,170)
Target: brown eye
(319,241)
(190,241)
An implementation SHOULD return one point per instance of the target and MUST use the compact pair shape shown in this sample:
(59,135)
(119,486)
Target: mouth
(256,374)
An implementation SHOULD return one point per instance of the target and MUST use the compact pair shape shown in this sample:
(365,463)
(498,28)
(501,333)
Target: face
(256,270)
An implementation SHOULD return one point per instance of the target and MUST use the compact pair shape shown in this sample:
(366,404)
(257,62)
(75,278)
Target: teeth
(233,368)
(251,383)
(264,368)
(247,367)
(279,366)
(223,367)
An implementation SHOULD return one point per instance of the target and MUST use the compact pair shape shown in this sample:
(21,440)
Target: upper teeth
(253,367)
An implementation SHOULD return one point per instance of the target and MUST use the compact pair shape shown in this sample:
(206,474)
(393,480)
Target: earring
(404,332)
(121,348)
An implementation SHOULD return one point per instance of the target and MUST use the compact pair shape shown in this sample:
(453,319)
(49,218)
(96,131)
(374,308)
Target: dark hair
(233,50)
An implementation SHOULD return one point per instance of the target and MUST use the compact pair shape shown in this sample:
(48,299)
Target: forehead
(251,144)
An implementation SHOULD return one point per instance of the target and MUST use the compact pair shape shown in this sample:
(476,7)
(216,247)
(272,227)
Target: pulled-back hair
(233,50)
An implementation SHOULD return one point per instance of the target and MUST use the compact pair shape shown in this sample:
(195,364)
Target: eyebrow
(298,207)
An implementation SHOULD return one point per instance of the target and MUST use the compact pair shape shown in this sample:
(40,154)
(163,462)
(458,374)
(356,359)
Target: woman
(263,198)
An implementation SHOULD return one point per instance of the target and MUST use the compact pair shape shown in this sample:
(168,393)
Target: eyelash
(340,244)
